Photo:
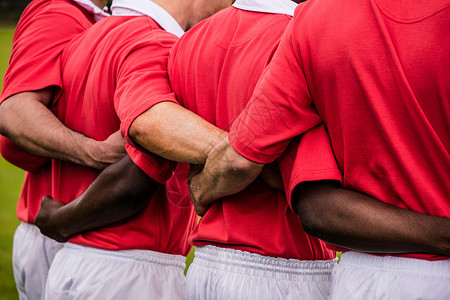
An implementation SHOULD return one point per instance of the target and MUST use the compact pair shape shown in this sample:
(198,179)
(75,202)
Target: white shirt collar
(149,8)
(96,11)
(285,7)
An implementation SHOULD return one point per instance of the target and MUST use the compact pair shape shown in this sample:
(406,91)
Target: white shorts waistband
(28,227)
(264,266)
(133,254)
(397,264)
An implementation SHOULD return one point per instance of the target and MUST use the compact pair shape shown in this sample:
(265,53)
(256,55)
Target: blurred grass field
(11,180)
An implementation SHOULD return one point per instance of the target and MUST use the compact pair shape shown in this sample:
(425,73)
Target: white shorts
(219,273)
(87,273)
(368,277)
(32,256)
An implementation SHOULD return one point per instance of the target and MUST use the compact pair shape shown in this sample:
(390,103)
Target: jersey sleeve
(142,83)
(19,157)
(308,158)
(38,42)
(280,108)
(157,168)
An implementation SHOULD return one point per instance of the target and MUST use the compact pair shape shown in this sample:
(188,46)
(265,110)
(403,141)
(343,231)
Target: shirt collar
(285,7)
(96,11)
(149,8)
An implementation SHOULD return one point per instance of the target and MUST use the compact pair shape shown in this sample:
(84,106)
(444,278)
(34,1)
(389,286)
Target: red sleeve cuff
(158,168)
(19,157)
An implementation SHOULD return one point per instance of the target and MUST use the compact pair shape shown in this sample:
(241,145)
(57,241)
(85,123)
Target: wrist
(92,150)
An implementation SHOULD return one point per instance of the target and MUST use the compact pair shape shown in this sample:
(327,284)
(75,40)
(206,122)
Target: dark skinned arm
(120,191)
(359,222)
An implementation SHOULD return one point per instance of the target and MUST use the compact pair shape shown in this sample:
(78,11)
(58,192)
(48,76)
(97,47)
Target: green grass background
(11,180)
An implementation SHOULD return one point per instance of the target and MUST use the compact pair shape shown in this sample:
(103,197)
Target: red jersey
(355,65)
(44,29)
(111,74)
(309,158)
(213,70)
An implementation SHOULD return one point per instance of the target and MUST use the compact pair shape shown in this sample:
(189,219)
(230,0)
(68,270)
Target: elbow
(3,121)
(313,226)
(312,220)
(137,130)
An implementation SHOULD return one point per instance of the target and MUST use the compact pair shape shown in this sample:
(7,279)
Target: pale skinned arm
(226,172)
(175,133)
(356,221)
(26,121)
(120,191)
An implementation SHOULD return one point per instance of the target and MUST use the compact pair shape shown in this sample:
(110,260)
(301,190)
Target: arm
(173,132)
(271,176)
(189,138)
(120,191)
(26,121)
(359,222)
(226,172)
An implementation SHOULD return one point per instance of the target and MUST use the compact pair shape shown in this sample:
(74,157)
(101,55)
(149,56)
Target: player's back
(223,57)
(112,74)
(44,29)
(213,70)
(384,91)
(381,91)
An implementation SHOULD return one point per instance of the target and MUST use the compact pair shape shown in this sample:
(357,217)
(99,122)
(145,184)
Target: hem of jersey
(330,174)
(150,168)
(7,93)
(252,154)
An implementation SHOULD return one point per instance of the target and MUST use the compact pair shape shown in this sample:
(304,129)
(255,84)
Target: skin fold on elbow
(313,212)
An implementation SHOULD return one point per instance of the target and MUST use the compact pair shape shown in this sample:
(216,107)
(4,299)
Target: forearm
(27,122)
(120,191)
(359,222)
(175,133)
(226,172)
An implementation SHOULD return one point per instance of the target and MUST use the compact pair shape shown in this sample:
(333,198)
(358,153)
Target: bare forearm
(226,172)
(359,222)
(120,191)
(27,122)
(175,133)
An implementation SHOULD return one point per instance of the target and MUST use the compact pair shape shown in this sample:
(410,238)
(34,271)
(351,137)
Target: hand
(271,176)
(195,190)
(46,219)
(109,151)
